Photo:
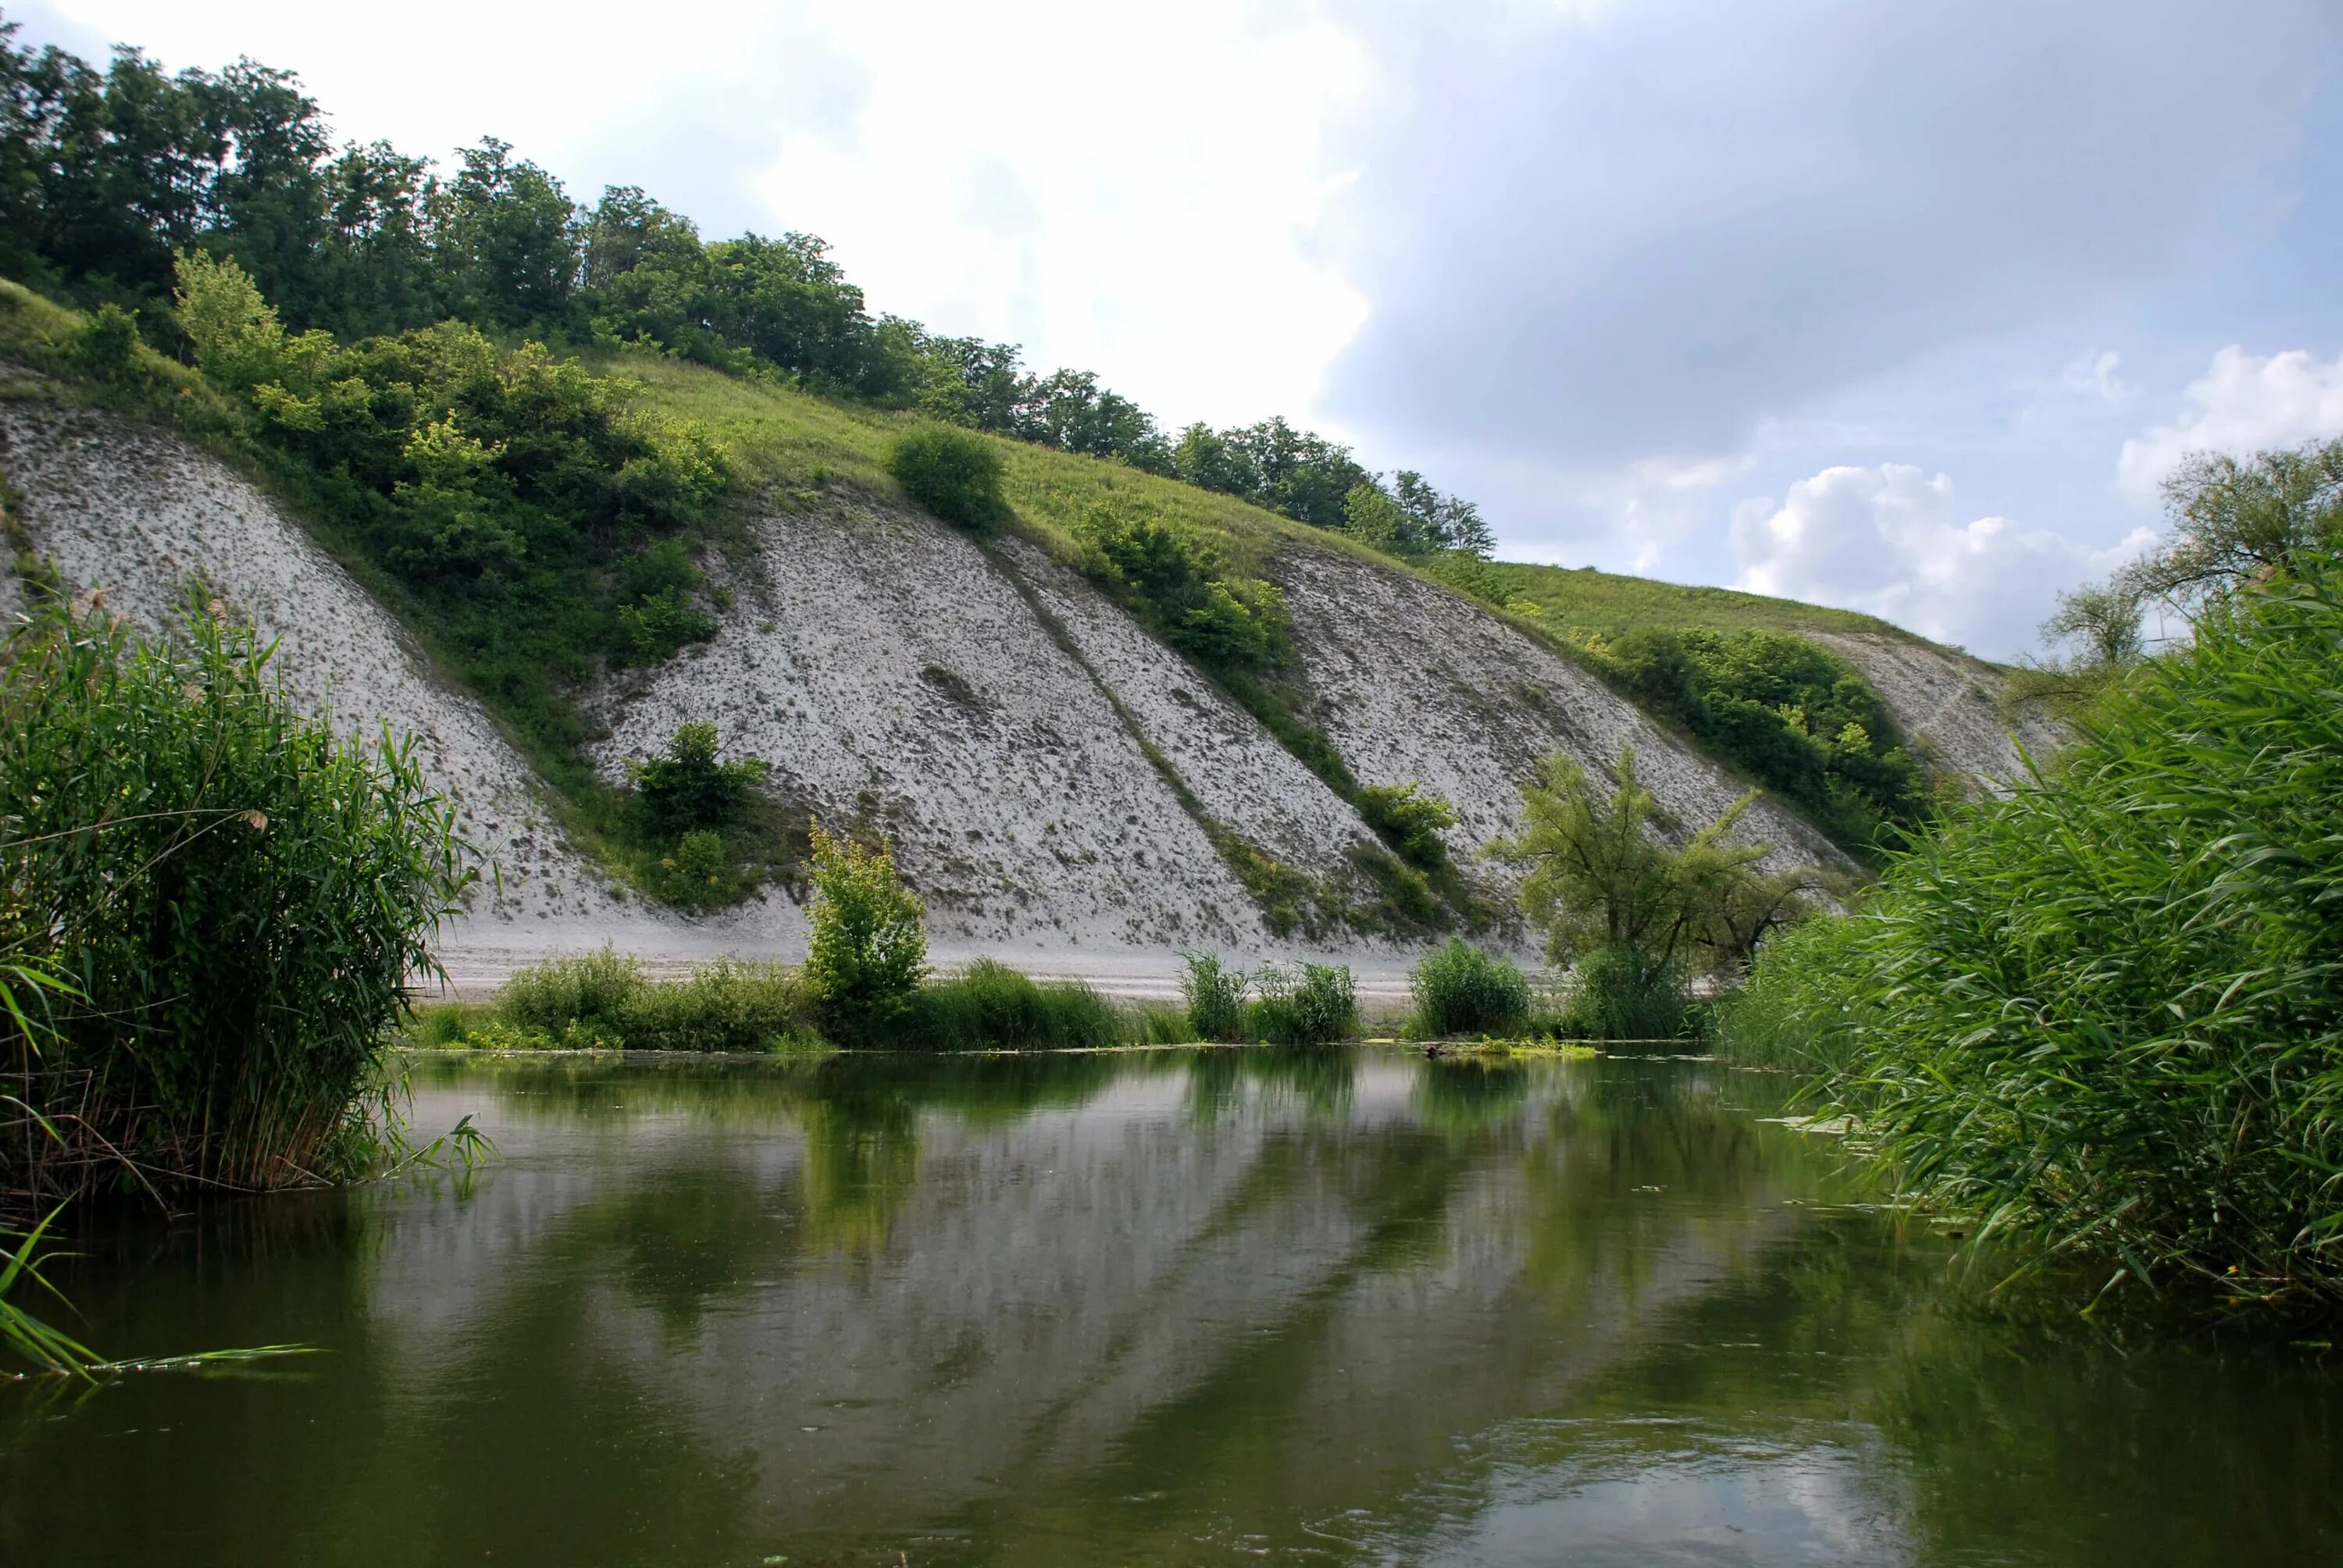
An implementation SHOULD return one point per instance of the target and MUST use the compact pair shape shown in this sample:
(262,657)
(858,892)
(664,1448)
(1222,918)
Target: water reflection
(1159,1307)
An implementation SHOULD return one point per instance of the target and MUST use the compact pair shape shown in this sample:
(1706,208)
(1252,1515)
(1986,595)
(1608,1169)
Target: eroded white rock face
(121,507)
(993,715)
(888,673)
(1239,772)
(1414,683)
(1945,703)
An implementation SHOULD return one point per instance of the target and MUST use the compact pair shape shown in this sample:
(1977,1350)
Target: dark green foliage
(690,787)
(108,347)
(1413,520)
(1621,992)
(234,897)
(1311,1004)
(537,522)
(697,831)
(2106,1013)
(1183,589)
(952,474)
(1215,997)
(1410,821)
(1404,899)
(603,1000)
(1793,716)
(990,1007)
(1459,990)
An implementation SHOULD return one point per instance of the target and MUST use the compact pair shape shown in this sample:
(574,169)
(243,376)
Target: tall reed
(231,897)
(2105,1014)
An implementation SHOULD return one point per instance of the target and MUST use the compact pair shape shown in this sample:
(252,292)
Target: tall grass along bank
(2105,1014)
(228,897)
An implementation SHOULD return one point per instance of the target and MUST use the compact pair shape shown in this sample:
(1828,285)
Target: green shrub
(1622,992)
(1314,1004)
(1460,990)
(729,1004)
(1187,594)
(1215,997)
(530,520)
(867,949)
(1157,1024)
(1411,822)
(2106,1013)
(688,787)
(107,349)
(954,473)
(591,988)
(604,1000)
(1793,714)
(991,1007)
(698,872)
(235,896)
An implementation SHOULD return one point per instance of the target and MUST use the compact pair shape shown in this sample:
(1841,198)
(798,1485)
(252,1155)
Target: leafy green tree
(867,949)
(509,238)
(1441,522)
(2235,521)
(1069,410)
(690,787)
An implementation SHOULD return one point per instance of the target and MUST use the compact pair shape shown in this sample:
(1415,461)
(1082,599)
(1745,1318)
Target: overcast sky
(1902,306)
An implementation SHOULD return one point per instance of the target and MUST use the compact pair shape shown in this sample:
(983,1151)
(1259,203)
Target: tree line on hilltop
(107,175)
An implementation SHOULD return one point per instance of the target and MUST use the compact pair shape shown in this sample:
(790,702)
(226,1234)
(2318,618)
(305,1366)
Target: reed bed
(2105,1015)
(226,900)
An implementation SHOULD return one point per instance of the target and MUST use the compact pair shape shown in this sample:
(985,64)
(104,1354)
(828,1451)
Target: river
(1155,1307)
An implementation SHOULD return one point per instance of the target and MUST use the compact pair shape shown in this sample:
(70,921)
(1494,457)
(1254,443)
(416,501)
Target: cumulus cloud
(2244,403)
(1889,540)
(1642,234)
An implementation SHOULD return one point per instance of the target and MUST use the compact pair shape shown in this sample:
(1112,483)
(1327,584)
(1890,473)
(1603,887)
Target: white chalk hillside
(1044,767)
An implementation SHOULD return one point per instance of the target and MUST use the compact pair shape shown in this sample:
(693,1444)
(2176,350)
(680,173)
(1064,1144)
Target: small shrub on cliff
(868,950)
(1410,820)
(687,786)
(952,473)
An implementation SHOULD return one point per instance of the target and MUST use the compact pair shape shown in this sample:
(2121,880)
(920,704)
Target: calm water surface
(1166,1307)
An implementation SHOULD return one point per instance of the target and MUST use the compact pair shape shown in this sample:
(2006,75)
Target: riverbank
(478,964)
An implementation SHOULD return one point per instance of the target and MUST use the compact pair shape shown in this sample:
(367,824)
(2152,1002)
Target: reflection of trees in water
(1461,1096)
(2060,1441)
(1338,1304)
(1319,1080)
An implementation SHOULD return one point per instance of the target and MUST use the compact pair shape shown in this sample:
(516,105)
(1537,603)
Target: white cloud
(1889,540)
(2244,403)
(2095,374)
